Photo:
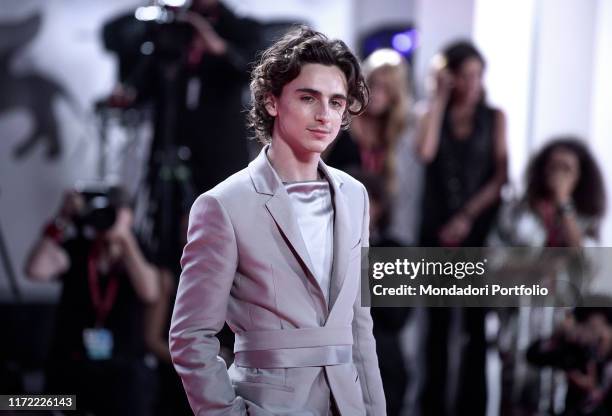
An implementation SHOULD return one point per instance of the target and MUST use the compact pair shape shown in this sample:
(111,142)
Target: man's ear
(270,104)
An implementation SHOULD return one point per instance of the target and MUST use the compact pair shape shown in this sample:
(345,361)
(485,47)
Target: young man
(275,250)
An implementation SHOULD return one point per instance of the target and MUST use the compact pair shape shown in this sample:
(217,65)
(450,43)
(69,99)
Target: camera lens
(99,213)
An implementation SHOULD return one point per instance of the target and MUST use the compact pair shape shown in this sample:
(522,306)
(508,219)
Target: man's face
(308,113)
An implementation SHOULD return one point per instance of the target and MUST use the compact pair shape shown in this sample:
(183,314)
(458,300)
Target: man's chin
(320,146)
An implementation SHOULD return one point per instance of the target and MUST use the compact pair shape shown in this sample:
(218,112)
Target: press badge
(98,343)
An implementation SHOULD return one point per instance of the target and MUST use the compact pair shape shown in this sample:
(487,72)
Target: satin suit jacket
(245,262)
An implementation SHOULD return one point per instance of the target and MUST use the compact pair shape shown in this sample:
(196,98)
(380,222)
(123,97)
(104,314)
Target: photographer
(98,349)
(196,74)
(581,347)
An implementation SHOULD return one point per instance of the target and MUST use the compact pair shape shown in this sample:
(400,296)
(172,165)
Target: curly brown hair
(282,62)
(589,195)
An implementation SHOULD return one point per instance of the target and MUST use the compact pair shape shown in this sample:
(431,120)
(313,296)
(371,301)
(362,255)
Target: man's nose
(323,113)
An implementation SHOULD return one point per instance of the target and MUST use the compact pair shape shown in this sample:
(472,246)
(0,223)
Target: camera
(101,203)
(167,35)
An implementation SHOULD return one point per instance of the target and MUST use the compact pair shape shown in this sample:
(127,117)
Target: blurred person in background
(98,350)
(171,398)
(462,142)
(581,347)
(208,49)
(388,322)
(219,60)
(563,206)
(381,141)
(564,201)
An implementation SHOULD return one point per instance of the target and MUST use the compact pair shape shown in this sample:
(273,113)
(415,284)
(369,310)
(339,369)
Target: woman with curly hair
(564,201)
(563,205)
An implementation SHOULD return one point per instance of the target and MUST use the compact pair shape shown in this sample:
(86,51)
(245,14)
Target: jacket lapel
(266,181)
(341,236)
(279,207)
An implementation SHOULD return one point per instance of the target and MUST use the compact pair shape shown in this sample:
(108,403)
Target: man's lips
(319,131)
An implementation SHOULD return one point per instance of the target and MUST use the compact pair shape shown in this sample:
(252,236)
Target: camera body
(167,36)
(101,203)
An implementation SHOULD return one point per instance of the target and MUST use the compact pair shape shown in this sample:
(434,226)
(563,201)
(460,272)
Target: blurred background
(135,93)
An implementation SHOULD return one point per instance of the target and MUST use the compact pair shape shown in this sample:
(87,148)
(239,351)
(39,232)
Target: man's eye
(307,99)
(336,104)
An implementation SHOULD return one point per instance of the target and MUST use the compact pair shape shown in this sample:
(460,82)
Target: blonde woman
(379,141)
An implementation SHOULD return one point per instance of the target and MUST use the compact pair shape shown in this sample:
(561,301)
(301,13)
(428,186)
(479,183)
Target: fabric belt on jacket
(300,347)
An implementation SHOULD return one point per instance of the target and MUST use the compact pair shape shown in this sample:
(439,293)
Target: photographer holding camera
(581,347)
(195,70)
(98,349)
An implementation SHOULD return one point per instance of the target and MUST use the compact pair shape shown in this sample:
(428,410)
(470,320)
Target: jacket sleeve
(364,345)
(209,264)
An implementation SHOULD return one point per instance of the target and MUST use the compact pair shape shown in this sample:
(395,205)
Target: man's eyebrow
(318,93)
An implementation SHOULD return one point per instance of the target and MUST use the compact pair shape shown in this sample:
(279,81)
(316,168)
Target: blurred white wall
(504,32)
(601,105)
(370,15)
(565,41)
(334,18)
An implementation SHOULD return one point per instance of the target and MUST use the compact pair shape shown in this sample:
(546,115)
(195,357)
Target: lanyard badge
(98,341)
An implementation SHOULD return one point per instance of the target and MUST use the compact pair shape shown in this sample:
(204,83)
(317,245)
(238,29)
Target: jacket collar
(266,180)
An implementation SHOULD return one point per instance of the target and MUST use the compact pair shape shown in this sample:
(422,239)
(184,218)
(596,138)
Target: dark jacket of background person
(462,142)
(215,130)
(388,325)
(388,322)
(459,170)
